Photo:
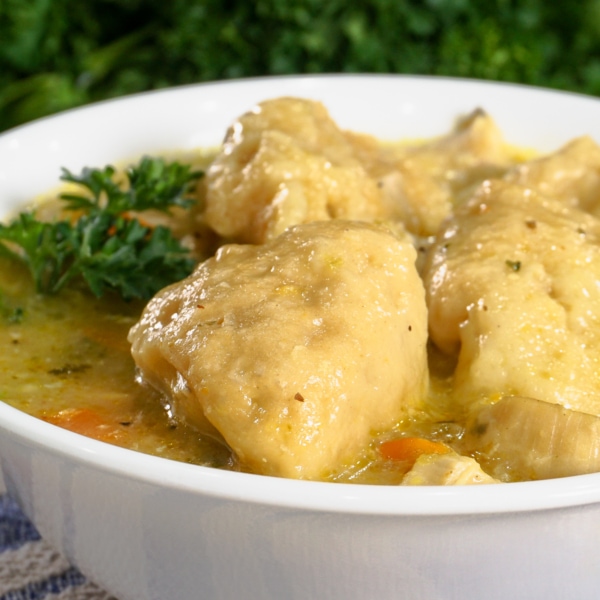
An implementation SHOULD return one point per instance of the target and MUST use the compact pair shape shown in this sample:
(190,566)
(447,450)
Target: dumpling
(295,351)
(431,178)
(571,174)
(284,163)
(512,286)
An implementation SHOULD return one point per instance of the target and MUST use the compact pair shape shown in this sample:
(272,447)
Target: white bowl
(149,528)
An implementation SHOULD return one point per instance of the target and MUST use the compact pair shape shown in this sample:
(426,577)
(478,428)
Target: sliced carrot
(408,449)
(87,422)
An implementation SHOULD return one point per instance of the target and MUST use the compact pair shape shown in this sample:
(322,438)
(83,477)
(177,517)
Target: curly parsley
(106,244)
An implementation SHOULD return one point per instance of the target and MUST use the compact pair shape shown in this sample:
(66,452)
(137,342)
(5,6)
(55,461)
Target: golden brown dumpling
(295,351)
(431,178)
(512,285)
(287,162)
(571,174)
(283,163)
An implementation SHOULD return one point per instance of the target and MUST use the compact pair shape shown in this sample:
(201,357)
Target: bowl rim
(286,493)
(306,78)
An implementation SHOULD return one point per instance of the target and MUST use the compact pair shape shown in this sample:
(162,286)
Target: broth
(67,361)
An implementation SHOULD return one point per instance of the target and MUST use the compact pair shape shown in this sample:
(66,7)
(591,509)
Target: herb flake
(515,265)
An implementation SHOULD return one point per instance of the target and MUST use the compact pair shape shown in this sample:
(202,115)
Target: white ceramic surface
(148,528)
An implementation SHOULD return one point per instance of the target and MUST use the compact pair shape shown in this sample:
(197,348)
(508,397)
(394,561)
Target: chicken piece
(446,469)
(534,439)
(284,163)
(295,351)
(512,287)
(572,174)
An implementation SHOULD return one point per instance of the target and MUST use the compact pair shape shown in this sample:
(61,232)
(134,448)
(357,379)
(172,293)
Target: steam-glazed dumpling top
(295,351)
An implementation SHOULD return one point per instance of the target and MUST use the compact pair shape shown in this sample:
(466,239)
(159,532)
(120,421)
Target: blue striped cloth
(30,569)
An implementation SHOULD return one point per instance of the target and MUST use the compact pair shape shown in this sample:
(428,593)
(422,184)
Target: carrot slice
(408,449)
(86,422)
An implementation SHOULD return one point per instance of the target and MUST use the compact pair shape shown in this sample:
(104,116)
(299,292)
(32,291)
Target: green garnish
(106,244)
(515,265)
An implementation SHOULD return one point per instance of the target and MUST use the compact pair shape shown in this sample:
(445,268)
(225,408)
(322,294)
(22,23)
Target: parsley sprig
(105,243)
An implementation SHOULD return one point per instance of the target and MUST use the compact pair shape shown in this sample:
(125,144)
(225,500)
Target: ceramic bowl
(146,528)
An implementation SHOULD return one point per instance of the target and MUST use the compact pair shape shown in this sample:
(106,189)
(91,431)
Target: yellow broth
(66,360)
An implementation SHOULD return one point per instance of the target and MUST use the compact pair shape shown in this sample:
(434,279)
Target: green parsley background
(58,54)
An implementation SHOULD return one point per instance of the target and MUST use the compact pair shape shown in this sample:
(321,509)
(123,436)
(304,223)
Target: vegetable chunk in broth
(325,305)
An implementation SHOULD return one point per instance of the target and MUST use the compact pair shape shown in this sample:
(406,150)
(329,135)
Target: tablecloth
(30,569)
